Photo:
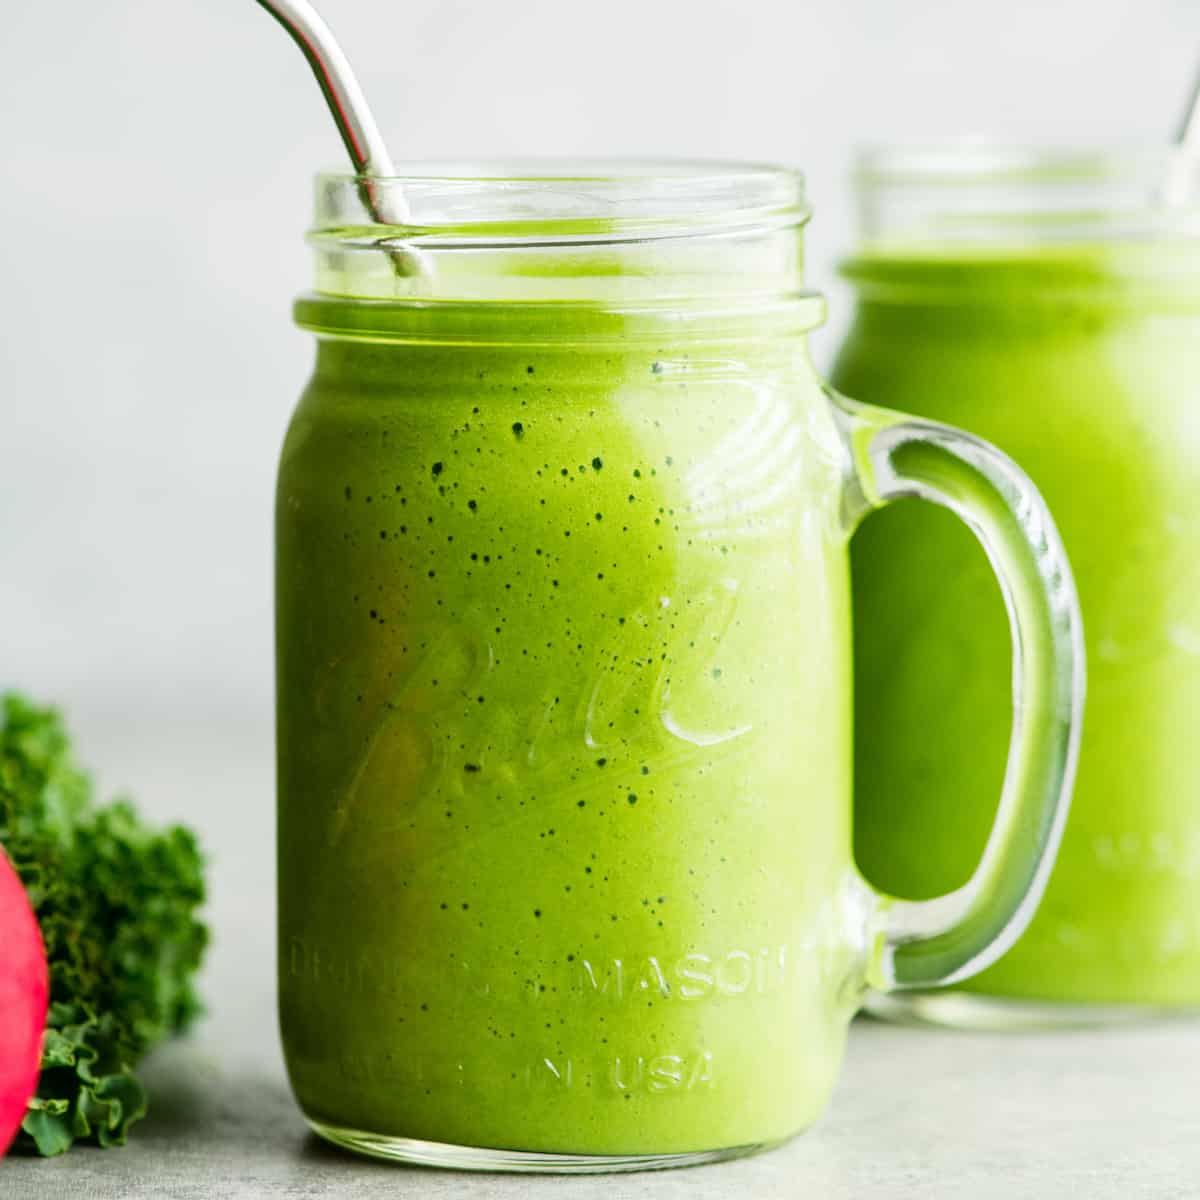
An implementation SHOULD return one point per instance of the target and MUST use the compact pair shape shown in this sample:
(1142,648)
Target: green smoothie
(1082,361)
(564,728)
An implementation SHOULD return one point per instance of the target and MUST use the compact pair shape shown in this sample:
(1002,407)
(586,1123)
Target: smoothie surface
(1083,363)
(564,727)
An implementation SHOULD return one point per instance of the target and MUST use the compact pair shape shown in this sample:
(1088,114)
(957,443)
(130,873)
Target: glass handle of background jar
(935,942)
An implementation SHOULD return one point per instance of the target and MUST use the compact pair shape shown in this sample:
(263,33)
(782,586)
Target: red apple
(24,994)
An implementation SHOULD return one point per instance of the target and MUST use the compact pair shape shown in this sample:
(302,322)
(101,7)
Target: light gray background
(155,187)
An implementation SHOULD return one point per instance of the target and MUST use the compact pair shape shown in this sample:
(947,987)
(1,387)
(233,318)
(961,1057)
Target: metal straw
(1181,174)
(353,117)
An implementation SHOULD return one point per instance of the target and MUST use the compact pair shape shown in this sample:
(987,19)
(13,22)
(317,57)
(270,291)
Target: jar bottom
(974,1011)
(413,1152)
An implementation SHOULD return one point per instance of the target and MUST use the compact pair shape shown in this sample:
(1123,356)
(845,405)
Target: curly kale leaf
(116,902)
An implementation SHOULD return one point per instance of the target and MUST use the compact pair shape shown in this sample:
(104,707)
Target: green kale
(116,902)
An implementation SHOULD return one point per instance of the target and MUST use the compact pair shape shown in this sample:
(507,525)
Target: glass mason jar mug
(1050,302)
(564,677)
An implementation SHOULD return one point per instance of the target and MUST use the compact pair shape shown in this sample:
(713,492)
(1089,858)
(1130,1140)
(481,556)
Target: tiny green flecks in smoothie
(445,802)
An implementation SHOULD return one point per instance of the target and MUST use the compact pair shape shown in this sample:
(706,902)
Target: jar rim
(560,201)
(988,190)
(985,160)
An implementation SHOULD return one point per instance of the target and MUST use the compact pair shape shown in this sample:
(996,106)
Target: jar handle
(940,941)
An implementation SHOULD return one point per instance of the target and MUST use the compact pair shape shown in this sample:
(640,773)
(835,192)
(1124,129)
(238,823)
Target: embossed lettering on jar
(564,681)
(544,879)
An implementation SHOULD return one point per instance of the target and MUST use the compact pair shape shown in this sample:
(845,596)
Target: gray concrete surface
(918,1112)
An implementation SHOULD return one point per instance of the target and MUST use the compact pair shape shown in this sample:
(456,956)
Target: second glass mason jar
(565,876)
(1050,302)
